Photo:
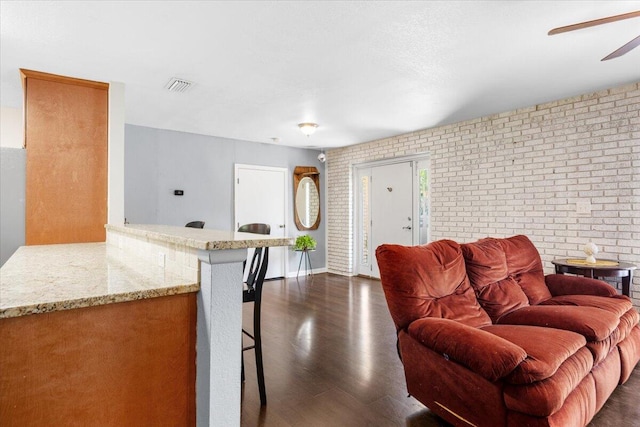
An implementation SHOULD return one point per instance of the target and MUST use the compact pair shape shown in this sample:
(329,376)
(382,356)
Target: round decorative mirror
(306,197)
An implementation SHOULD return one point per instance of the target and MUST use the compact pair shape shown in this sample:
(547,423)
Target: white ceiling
(361,70)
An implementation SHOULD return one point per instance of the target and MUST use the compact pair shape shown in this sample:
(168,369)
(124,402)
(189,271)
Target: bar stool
(253,293)
(195,224)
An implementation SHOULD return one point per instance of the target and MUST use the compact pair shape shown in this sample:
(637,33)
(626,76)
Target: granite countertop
(200,238)
(46,278)
(40,279)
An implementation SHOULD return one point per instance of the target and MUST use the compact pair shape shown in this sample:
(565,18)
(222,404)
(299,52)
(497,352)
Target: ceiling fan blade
(595,22)
(624,49)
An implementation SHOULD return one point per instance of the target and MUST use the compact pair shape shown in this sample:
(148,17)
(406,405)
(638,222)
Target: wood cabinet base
(122,364)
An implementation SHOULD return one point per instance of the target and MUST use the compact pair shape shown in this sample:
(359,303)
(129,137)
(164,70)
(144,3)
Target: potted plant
(305,243)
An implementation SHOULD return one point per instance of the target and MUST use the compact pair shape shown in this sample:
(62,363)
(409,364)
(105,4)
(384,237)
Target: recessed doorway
(261,196)
(391,206)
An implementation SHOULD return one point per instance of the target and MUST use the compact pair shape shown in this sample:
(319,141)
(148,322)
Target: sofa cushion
(606,376)
(485,261)
(628,321)
(497,292)
(525,265)
(521,254)
(617,306)
(543,398)
(601,349)
(578,410)
(592,323)
(533,285)
(546,350)
(428,281)
(629,353)
(501,297)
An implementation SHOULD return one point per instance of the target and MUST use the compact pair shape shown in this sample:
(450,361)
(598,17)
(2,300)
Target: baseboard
(293,274)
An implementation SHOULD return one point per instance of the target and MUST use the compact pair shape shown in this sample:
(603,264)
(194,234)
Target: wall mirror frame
(306,197)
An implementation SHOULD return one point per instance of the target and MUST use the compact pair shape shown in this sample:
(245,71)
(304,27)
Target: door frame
(356,168)
(234,227)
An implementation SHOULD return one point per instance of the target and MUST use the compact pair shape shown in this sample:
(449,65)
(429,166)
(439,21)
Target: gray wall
(12,197)
(159,161)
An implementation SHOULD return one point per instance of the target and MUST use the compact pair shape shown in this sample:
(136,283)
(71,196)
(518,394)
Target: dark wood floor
(330,360)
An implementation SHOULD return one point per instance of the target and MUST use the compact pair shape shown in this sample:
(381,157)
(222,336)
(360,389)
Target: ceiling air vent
(178,85)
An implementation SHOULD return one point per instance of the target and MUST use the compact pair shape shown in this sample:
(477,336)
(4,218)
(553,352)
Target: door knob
(408,227)
(281,226)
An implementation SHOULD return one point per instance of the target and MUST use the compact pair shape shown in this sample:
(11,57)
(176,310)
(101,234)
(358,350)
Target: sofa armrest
(486,354)
(559,284)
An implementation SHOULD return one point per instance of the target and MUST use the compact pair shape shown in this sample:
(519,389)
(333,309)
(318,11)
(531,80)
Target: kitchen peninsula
(106,333)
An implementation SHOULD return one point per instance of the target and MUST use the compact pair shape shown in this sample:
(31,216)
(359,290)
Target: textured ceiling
(361,70)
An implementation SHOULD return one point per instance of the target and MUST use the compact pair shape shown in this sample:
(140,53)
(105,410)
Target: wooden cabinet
(66,137)
(122,364)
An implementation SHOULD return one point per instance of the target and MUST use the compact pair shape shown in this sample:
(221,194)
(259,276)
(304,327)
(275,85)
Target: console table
(602,268)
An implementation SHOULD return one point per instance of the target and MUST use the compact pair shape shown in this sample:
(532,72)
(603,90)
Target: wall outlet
(583,207)
(160,259)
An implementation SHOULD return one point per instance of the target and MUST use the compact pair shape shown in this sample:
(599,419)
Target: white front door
(261,197)
(384,211)
(391,207)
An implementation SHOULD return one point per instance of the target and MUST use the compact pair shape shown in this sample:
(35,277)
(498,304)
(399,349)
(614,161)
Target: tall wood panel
(66,137)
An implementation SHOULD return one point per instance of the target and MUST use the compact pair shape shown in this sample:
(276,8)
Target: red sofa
(487,339)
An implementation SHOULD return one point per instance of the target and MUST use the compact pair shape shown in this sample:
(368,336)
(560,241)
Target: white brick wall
(519,172)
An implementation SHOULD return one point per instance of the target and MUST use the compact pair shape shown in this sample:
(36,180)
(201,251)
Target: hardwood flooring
(330,360)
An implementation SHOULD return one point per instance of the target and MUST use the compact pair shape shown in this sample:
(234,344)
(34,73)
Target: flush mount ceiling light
(308,128)
(178,85)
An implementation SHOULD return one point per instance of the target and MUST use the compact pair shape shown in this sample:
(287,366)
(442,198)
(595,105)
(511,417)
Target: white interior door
(391,202)
(261,196)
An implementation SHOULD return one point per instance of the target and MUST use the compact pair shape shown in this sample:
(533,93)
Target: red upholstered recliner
(510,285)
(471,371)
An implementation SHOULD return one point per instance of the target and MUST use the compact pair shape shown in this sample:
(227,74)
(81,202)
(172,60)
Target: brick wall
(519,172)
